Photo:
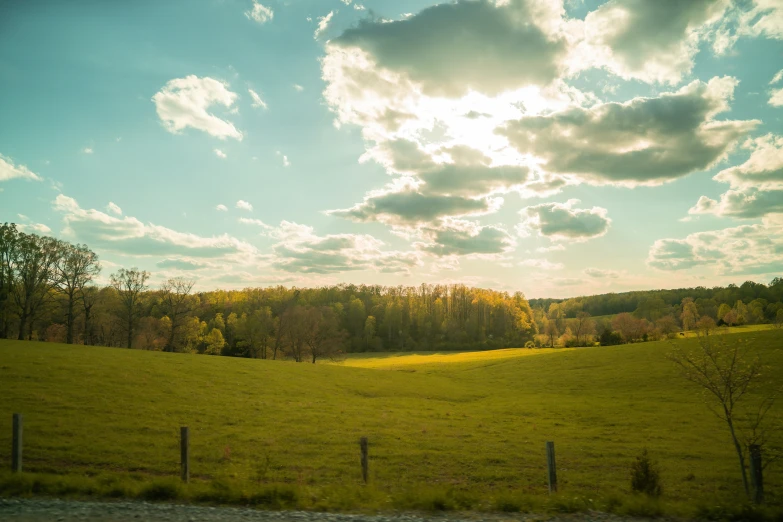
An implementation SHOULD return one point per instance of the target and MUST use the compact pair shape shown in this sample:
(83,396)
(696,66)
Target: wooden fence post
(551,468)
(184,453)
(16,445)
(755,473)
(363,446)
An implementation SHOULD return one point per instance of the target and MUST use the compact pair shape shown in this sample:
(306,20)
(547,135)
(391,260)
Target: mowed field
(446,431)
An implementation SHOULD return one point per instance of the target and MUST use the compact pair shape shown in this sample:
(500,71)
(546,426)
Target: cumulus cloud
(561,221)
(255,222)
(748,249)
(401,204)
(323,24)
(222,208)
(600,273)
(300,250)
(763,169)
(260,13)
(220,154)
(501,46)
(244,205)
(130,236)
(184,102)
(756,185)
(257,103)
(649,41)
(113,208)
(33,228)
(776,97)
(646,141)
(9,170)
(456,237)
(87,150)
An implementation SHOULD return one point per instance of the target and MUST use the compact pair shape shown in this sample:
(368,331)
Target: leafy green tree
(35,275)
(178,305)
(690,314)
(9,237)
(75,268)
(369,331)
(130,284)
(214,342)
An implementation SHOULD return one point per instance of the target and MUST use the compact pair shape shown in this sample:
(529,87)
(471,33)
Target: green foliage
(645,477)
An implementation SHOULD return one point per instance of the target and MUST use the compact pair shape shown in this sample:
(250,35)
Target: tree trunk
(22,325)
(69,335)
(741,455)
(130,329)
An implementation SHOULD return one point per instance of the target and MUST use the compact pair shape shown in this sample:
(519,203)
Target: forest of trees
(654,314)
(47,292)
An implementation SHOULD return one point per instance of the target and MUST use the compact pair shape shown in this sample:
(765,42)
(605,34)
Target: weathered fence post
(363,446)
(184,453)
(755,473)
(551,468)
(16,445)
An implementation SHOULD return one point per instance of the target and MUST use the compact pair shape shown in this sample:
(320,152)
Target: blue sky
(554,148)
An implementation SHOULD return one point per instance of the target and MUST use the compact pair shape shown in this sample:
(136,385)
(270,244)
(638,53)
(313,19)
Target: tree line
(655,314)
(48,292)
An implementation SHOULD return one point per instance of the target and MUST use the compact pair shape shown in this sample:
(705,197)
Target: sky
(553,147)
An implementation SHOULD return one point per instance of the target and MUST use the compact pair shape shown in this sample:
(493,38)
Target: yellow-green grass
(462,431)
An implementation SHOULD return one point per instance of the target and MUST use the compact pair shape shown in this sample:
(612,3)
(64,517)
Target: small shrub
(645,477)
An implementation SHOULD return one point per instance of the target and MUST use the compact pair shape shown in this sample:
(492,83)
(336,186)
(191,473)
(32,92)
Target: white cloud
(33,228)
(286,163)
(776,97)
(646,141)
(180,264)
(457,237)
(300,250)
(260,13)
(130,236)
(600,273)
(542,264)
(222,208)
(756,185)
(561,221)
(258,103)
(652,41)
(87,150)
(401,204)
(748,249)
(9,171)
(113,208)
(244,205)
(220,154)
(777,78)
(184,102)
(298,87)
(255,222)
(323,24)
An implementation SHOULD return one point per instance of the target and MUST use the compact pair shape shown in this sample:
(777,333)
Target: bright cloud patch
(645,141)
(749,249)
(756,185)
(180,264)
(184,102)
(560,221)
(323,24)
(300,250)
(260,13)
(649,41)
(244,205)
(541,264)
(8,170)
(130,236)
(599,273)
(113,208)
(258,103)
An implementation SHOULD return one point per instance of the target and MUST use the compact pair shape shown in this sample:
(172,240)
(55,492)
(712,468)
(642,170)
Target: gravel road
(40,510)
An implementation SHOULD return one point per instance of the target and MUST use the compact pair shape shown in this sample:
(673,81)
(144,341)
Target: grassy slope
(471,423)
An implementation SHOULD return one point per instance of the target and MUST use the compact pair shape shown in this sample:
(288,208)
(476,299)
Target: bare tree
(129,285)
(34,262)
(176,297)
(322,334)
(727,372)
(75,268)
(89,296)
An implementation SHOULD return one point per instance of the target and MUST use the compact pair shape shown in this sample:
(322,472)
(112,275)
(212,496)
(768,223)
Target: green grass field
(447,431)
